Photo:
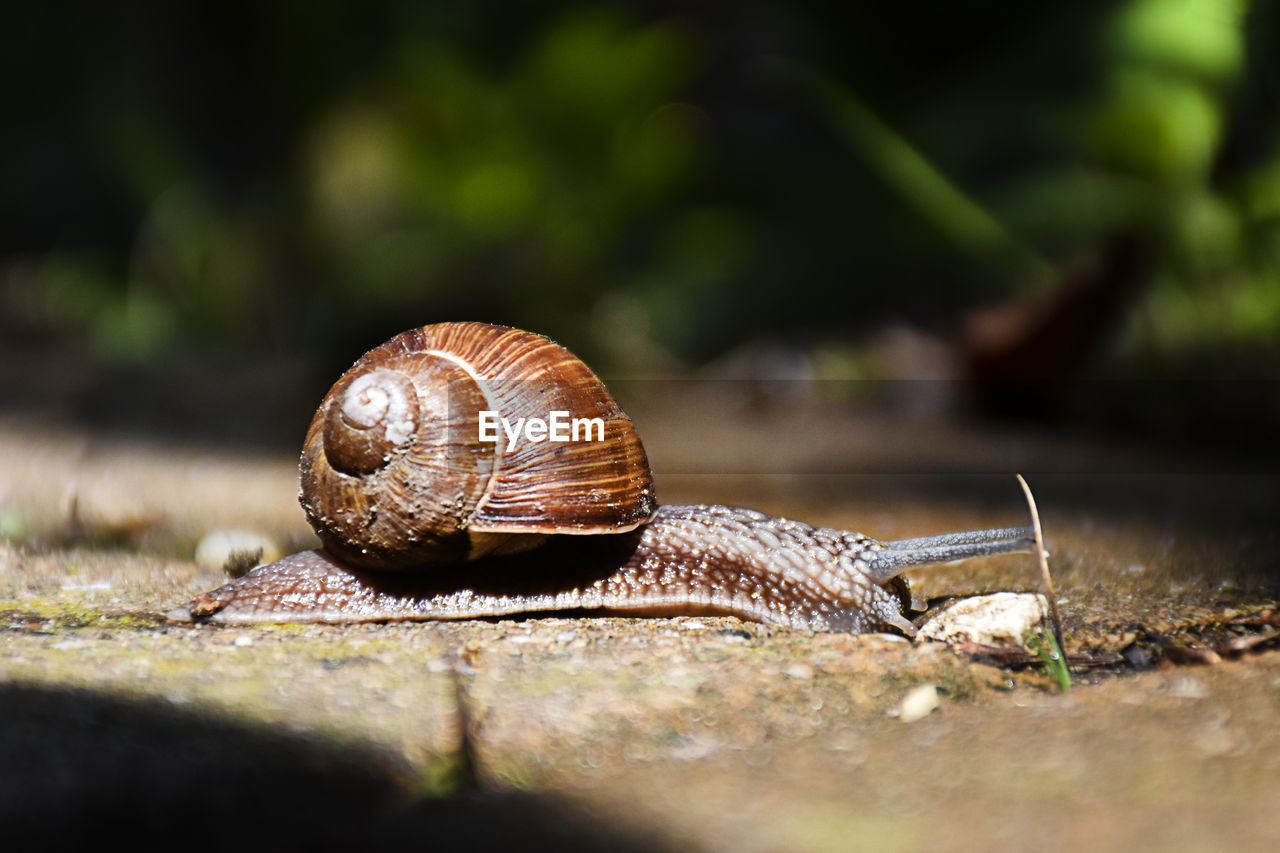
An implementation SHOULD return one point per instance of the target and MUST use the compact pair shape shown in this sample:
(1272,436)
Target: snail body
(422,517)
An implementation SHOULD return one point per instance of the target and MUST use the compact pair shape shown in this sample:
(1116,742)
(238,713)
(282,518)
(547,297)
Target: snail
(466,470)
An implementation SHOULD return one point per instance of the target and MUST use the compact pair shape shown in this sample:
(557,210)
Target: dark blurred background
(209,210)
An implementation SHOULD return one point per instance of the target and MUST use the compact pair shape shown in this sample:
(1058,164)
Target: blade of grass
(1055,662)
(918,181)
(1044,562)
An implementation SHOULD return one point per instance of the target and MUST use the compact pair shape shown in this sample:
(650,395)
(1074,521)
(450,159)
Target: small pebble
(232,549)
(798,670)
(1002,619)
(920,702)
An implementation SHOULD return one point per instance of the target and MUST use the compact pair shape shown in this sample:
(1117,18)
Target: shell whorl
(377,413)
(395,475)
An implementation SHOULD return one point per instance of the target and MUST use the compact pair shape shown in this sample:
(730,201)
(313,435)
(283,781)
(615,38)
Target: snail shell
(421,519)
(394,475)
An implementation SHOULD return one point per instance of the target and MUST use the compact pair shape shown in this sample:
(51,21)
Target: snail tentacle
(901,554)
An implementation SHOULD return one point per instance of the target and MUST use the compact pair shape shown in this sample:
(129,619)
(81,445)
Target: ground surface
(624,733)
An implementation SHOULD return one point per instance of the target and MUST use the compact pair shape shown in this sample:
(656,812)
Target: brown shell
(396,476)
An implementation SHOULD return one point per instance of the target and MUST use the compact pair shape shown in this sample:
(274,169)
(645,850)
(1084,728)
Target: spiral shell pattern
(376,414)
(395,475)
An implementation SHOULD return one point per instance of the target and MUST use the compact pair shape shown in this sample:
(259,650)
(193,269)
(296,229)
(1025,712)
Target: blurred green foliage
(647,183)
